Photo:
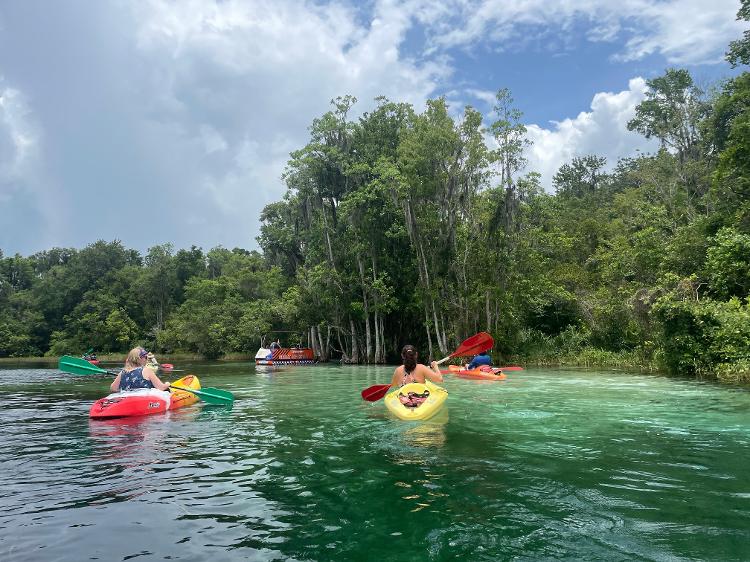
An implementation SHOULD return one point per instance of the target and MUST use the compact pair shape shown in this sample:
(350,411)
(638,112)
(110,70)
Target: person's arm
(115,386)
(396,379)
(433,373)
(149,374)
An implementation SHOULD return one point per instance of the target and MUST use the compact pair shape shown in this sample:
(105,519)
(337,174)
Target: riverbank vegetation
(425,227)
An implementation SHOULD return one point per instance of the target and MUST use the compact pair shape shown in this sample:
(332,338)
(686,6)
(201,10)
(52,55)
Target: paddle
(77,366)
(210,395)
(471,346)
(375,392)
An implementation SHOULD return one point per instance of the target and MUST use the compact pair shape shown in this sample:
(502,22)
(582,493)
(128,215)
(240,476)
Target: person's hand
(434,365)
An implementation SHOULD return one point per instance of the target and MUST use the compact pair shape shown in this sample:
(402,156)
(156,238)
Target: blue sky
(152,121)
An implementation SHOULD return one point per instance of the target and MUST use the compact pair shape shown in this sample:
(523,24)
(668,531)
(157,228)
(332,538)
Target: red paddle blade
(512,368)
(475,344)
(376,392)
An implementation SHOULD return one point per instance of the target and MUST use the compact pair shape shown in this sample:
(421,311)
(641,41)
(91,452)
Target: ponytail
(409,357)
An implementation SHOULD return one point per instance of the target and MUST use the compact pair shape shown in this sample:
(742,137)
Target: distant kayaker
(411,371)
(480,360)
(152,362)
(136,374)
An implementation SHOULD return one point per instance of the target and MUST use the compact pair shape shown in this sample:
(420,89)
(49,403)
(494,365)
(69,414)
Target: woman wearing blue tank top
(136,374)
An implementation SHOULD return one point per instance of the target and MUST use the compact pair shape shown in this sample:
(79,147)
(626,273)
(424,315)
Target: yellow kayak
(182,398)
(416,401)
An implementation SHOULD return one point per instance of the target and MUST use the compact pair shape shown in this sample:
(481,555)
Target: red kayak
(145,401)
(93,361)
(166,366)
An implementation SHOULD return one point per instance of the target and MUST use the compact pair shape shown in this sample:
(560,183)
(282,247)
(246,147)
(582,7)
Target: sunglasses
(143,353)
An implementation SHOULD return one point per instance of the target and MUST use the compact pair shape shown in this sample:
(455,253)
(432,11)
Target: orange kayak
(481,373)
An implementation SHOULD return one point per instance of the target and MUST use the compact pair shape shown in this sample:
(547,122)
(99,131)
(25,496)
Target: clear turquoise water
(550,464)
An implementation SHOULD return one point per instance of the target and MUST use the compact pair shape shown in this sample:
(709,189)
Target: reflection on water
(545,465)
(142,441)
(427,434)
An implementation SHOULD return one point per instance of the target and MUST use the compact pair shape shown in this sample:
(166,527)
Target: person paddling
(480,360)
(152,362)
(136,374)
(411,371)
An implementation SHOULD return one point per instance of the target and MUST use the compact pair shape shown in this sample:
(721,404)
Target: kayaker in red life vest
(136,374)
(411,371)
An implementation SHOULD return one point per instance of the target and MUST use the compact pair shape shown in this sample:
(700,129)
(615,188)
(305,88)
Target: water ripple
(549,464)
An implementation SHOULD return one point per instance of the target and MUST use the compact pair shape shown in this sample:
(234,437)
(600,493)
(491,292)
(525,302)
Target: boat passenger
(411,371)
(480,360)
(275,345)
(136,374)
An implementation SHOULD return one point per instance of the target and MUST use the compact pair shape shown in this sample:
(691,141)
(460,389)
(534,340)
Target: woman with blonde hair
(137,374)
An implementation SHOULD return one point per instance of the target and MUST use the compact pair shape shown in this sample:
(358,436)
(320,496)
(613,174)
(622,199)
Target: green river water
(550,464)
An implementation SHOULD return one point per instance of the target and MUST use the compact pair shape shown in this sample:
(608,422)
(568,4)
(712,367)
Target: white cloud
(212,140)
(601,131)
(194,106)
(18,140)
(488,97)
(22,183)
(683,31)
(257,74)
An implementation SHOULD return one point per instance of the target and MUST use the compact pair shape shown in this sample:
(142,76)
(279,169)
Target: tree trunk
(355,349)
(382,339)
(344,355)
(427,328)
(487,310)
(314,342)
(328,237)
(376,324)
(323,350)
(365,303)
(378,320)
(445,337)
(441,342)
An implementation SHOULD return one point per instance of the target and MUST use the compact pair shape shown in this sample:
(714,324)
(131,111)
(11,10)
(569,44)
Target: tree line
(425,227)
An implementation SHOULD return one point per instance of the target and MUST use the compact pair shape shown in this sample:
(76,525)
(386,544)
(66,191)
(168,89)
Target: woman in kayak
(136,374)
(411,371)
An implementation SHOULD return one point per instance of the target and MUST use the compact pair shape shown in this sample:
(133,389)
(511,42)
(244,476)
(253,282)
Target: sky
(155,121)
